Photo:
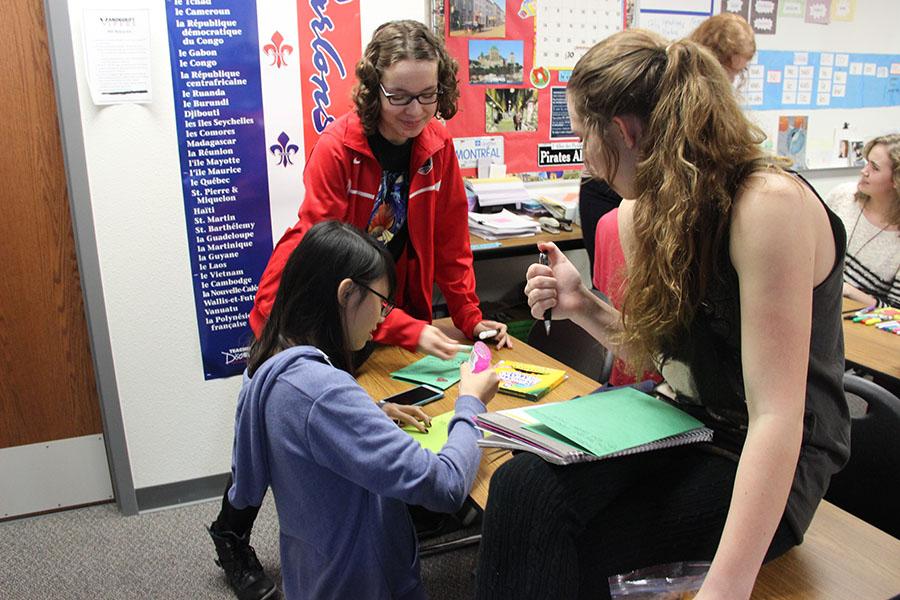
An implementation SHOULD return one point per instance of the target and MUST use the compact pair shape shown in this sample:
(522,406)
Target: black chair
(571,345)
(869,486)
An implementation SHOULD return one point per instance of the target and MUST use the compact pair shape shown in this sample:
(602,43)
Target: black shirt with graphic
(387,223)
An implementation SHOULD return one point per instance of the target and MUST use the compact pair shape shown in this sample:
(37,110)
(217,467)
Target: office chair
(431,527)
(869,485)
(570,344)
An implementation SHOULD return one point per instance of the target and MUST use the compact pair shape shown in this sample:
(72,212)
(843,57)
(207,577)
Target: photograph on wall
(792,139)
(848,150)
(478,18)
(496,61)
(857,158)
(843,150)
(510,109)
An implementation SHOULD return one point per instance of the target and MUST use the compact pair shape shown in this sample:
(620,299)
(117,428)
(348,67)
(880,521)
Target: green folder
(433,371)
(610,422)
(437,434)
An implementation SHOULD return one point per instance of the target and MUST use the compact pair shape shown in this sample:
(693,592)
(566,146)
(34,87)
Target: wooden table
(522,246)
(869,348)
(374,376)
(842,557)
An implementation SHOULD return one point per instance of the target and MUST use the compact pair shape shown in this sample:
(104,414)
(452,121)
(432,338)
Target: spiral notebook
(598,426)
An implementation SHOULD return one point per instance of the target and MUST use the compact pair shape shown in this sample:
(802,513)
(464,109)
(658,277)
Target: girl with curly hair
(730,38)
(390,169)
(730,262)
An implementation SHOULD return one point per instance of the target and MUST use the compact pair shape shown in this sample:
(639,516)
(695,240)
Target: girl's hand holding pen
(435,342)
(556,286)
(500,335)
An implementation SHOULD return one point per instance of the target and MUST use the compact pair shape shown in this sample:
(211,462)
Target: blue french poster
(221,142)
(787,80)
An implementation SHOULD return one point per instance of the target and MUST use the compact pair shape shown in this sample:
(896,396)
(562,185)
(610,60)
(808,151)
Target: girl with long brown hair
(730,261)
(870,210)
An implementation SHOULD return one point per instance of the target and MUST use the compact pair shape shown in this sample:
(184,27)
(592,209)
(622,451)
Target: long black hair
(306,308)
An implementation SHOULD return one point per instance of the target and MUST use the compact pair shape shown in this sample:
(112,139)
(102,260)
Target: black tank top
(712,352)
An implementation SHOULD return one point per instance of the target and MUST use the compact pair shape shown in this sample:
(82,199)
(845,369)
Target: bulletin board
(826,75)
(515,58)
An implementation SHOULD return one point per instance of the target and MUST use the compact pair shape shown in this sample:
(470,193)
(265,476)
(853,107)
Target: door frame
(59,34)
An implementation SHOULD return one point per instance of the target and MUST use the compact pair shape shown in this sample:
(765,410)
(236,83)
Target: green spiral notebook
(594,427)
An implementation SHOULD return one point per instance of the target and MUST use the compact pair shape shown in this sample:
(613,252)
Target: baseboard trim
(181,492)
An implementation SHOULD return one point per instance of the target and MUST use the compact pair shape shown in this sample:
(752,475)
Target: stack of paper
(602,425)
(503,224)
(561,207)
(499,191)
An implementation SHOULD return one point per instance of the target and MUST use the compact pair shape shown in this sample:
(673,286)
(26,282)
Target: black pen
(542,258)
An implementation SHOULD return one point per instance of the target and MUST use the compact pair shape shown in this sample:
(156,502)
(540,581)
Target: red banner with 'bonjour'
(330,46)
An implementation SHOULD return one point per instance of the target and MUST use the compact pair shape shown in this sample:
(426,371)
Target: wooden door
(47,388)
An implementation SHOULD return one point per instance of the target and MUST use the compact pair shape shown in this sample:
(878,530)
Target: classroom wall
(873,30)
(177,425)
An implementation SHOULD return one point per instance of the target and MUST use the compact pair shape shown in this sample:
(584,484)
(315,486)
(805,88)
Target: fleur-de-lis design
(284,151)
(277,50)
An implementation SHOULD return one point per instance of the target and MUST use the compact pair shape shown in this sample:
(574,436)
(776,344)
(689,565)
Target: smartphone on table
(419,396)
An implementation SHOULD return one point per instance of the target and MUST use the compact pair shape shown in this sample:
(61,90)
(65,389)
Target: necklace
(853,232)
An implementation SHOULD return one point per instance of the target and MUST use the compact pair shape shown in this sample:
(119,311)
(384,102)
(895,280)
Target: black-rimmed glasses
(405,99)
(386,305)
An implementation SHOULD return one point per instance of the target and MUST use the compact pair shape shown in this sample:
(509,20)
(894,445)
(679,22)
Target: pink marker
(480,358)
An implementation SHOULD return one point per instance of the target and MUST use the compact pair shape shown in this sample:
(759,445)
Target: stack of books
(499,191)
(503,224)
(604,425)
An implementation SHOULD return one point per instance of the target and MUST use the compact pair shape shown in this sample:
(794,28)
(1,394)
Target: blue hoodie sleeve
(349,434)
(249,455)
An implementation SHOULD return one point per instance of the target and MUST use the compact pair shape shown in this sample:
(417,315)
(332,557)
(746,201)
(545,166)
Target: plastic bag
(671,581)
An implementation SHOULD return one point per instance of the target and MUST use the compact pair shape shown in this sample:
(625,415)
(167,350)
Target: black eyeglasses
(386,305)
(405,99)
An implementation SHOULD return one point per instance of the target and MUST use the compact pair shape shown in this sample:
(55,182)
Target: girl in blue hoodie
(340,470)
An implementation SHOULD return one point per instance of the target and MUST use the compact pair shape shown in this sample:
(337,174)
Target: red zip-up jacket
(341,178)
